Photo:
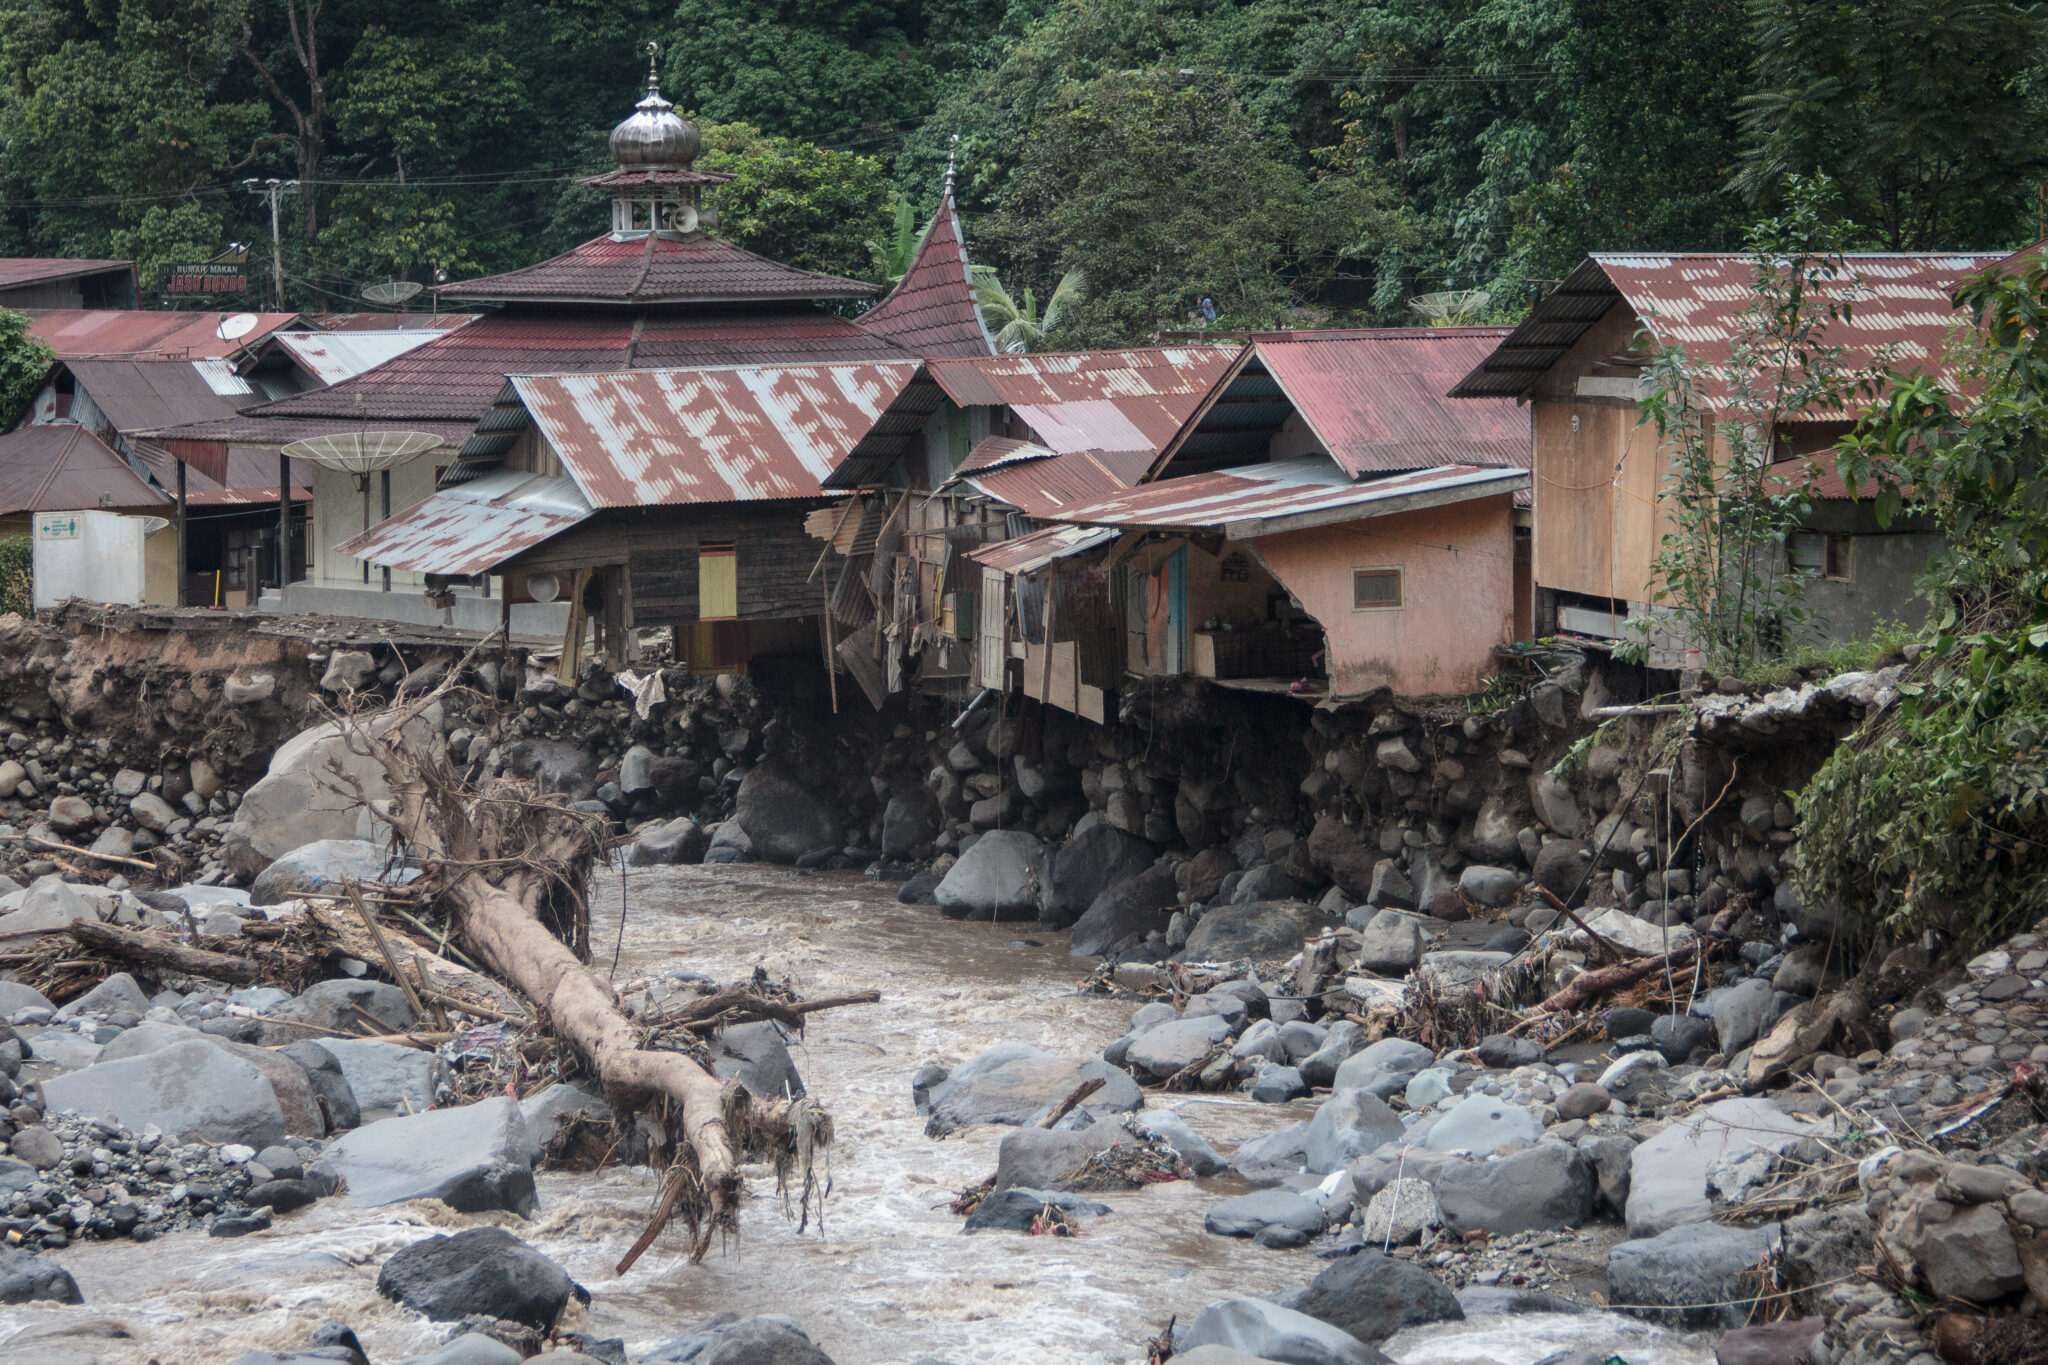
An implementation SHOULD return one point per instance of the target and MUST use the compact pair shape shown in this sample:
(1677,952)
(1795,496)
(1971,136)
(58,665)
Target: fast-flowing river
(888,1277)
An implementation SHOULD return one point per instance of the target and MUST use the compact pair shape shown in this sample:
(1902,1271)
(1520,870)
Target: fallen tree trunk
(1588,985)
(160,950)
(535,849)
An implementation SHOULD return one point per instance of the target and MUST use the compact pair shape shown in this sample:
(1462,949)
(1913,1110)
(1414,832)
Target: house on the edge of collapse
(1579,362)
(1326,524)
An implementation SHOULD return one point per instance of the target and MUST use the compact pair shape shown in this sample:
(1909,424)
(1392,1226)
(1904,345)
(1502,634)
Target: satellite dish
(392,292)
(1452,306)
(151,525)
(363,452)
(543,587)
(235,326)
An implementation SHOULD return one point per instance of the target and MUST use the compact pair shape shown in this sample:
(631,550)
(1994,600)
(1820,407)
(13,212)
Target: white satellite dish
(392,292)
(151,525)
(363,452)
(235,326)
(1451,307)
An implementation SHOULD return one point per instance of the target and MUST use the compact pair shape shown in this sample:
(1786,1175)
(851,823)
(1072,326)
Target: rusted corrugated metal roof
(1042,489)
(1377,399)
(79,333)
(456,377)
(473,528)
(387,322)
(1091,400)
(931,311)
(148,395)
(1265,499)
(331,357)
(996,451)
(16,271)
(1025,554)
(739,434)
(246,473)
(1901,301)
(63,467)
(655,269)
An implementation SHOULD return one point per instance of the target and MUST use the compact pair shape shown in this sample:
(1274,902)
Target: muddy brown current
(888,1277)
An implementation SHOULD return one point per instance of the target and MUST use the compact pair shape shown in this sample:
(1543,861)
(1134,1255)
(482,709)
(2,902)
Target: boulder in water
(1014,1083)
(727,1340)
(472,1159)
(1087,865)
(1266,1331)
(190,1090)
(781,816)
(997,879)
(483,1271)
(1372,1296)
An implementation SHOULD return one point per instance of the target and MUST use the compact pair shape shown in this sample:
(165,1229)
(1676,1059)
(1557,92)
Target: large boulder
(1019,1208)
(331,1095)
(1014,1083)
(1698,1275)
(757,1056)
(331,1006)
(28,1278)
(745,1341)
(1248,1215)
(1266,1331)
(910,821)
(483,1271)
(320,868)
(1337,851)
(554,765)
(472,1158)
(383,1077)
(1480,1124)
(1668,1173)
(998,878)
(1261,930)
(659,843)
(1122,916)
(1544,1187)
(315,789)
(781,816)
(1384,1068)
(191,1090)
(48,905)
(1044,1158)
(1372,1296)
(1177,1044)
(1349,1124)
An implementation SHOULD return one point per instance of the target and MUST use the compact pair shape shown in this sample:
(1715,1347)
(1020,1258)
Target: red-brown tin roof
(474,527)
(79,333)
(675,437)
(1264,499)
(16,271)
(931,311)
(657,269)
(65,468)
(1133,399)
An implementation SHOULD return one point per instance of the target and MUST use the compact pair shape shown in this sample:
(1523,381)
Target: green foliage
(24,361)
(1121,179)
(167,235)
(1863,654)
(891,257)
(1934,818)
(1732,495)
(1019,326)
(796,202)
(17,576)
(1926,112)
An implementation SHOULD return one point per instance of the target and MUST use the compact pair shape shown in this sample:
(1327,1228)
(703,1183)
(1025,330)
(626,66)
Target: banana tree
(893,257)
(1021,327)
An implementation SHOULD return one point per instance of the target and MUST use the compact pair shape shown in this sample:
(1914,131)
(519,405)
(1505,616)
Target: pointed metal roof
(931,312)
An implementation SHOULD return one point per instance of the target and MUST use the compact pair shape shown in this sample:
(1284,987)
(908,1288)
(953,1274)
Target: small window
(1838,559)
(1375,589)
(717,581)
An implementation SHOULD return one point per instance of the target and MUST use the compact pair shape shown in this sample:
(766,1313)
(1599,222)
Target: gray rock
(911,820)
(49,905)
(1348,1125)
(1194,1149)
(1969,1255)
(1340,1042)
(1391,887)
(483,1271)
(757,1056)
(1017,1208)
(546,1112)
(1480,1124)
(1012,1083)
(348,670)
(1266,1331)
(1125,913)
(1372,1296)
(1543,1187)
(1168,1048)
(153,813)
(1086,866)
(1042,1159)
(382,1076)
(1485,1298)
(1390,944)
(1668,1173)
(332,1004)
(997,879)
(1249,1214)
(1739,1013)
(554,765)
(1385,1068)
(38,1147)
(781,816)
(472,1158)
(662,843)
(470,1348)
(1261,930)
(1582,1101)
(1272,1157)
(331,1095)
(1680,1036)
(1273,1084)
(1555,806)
(729,844)
(15,997)
(190,1090)
(1400,1213)
(636,770)
(321,868)
(1268,882)
(1491,886)
(1504,1052)
(28,1278)
(303,798)
(748,1341)
(116,994)
(1677,1274)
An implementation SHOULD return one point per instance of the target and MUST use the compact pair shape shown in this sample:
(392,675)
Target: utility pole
(274,190)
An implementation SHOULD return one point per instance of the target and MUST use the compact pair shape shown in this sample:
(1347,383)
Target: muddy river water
(888,1277)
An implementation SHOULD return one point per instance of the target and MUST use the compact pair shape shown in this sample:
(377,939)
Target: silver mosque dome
(654,136)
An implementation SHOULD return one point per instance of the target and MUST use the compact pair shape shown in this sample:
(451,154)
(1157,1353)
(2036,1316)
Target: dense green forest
(1297,162)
